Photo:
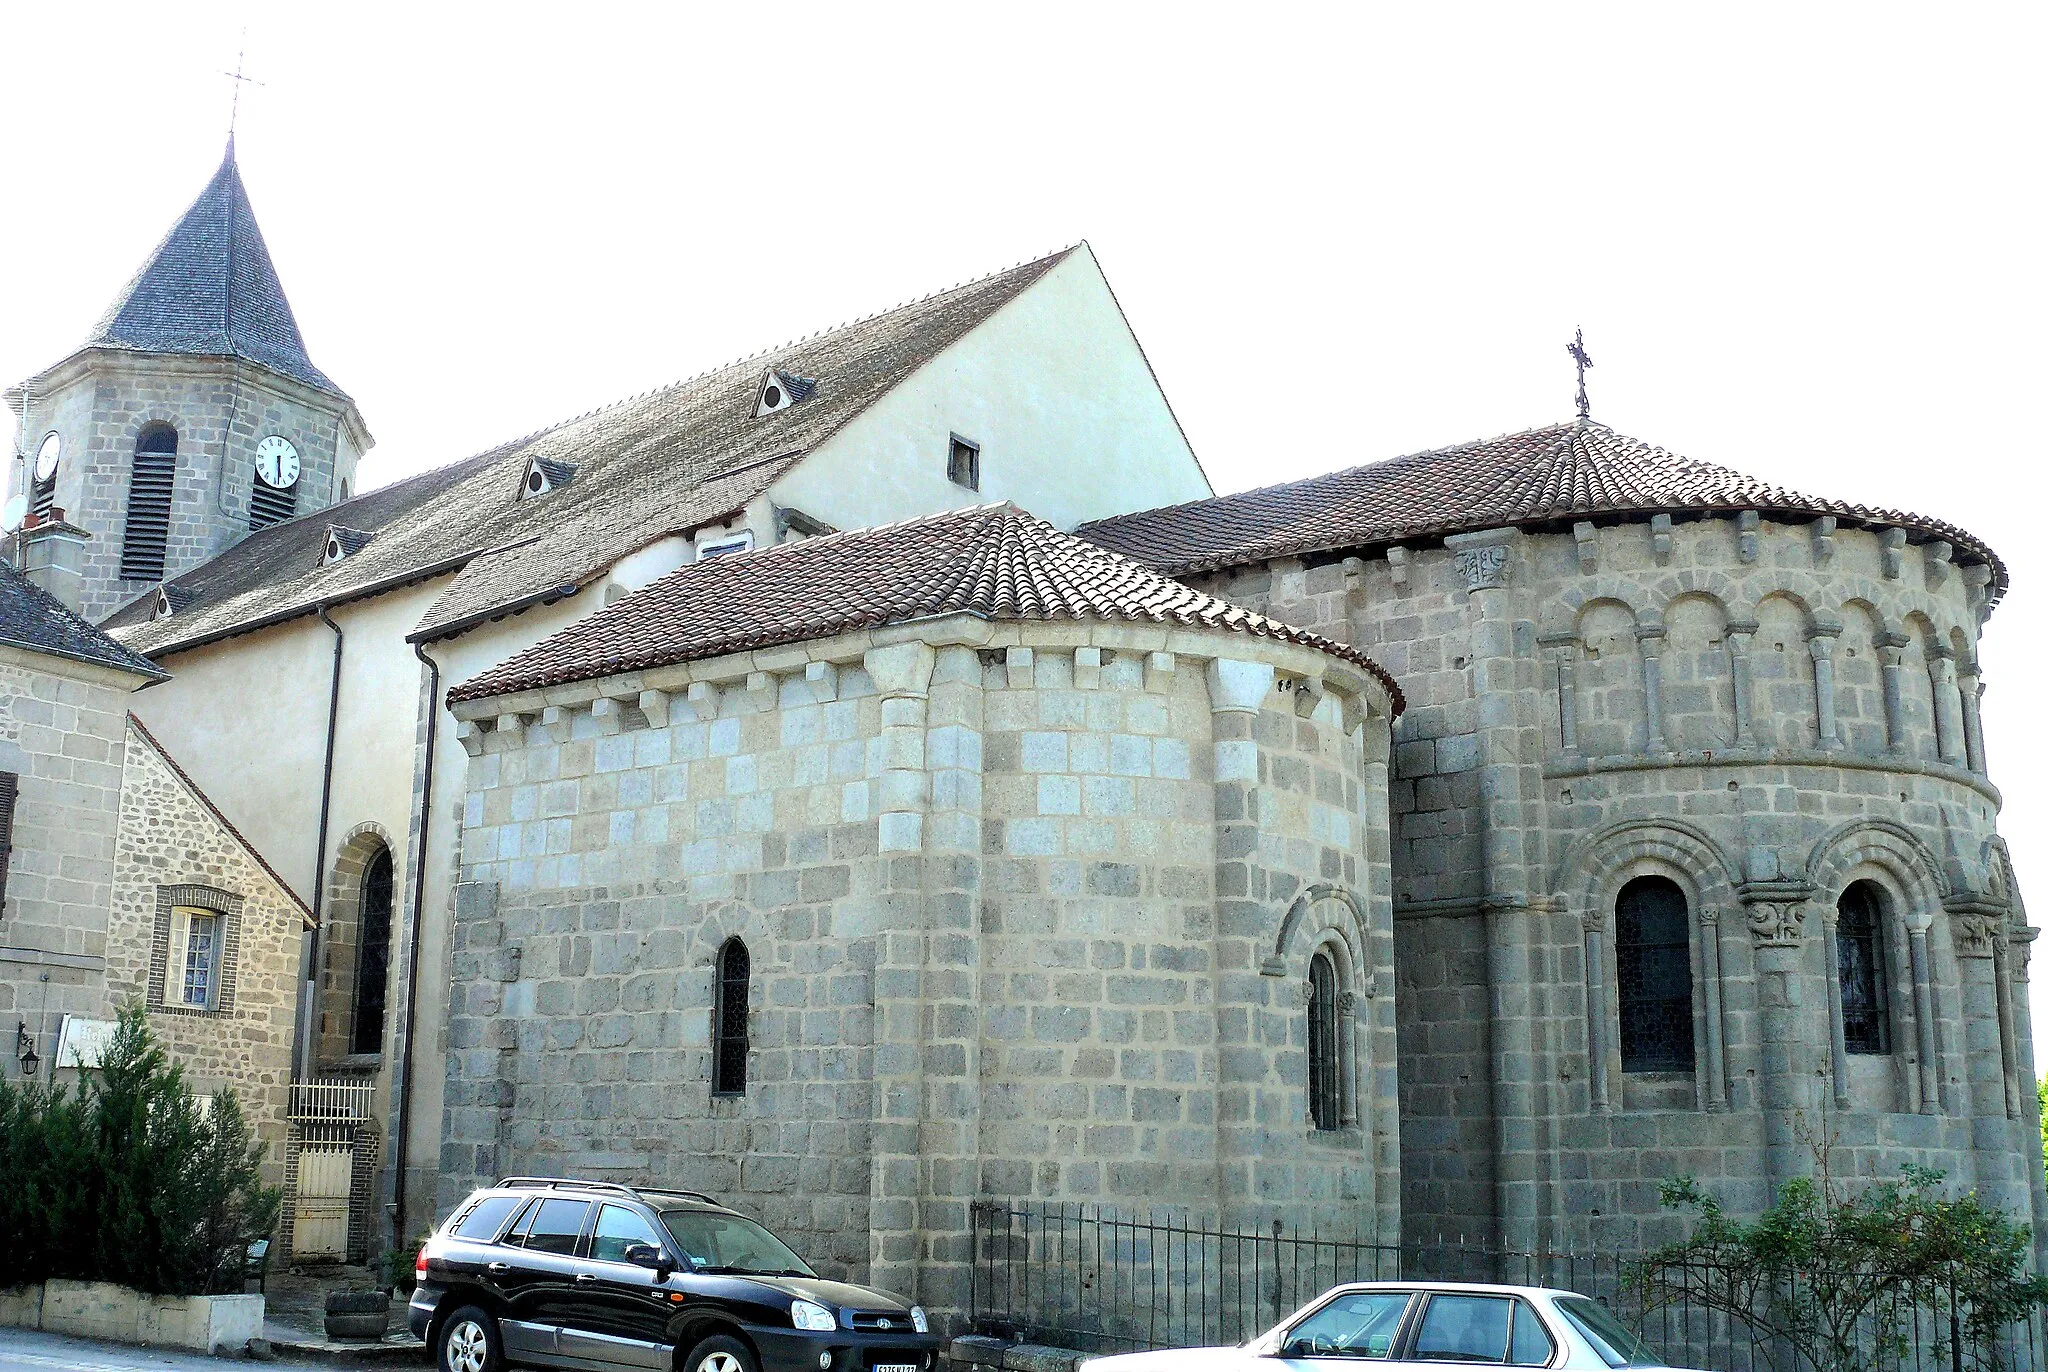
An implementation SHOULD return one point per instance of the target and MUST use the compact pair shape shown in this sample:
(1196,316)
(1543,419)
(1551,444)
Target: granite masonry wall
(1028,906)
(1761,712)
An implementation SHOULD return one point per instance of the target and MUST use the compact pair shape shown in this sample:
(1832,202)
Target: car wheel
(720,1353)
(469,1343)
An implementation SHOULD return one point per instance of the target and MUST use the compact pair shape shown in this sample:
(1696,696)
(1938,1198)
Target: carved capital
(1974,935)
(1777,911)
(1483,568)
(1305,991)
(1348,1003)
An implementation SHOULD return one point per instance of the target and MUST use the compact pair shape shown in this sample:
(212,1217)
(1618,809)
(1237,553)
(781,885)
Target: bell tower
(189,419)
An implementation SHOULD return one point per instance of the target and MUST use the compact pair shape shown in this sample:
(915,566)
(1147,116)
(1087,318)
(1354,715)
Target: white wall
(1071,423)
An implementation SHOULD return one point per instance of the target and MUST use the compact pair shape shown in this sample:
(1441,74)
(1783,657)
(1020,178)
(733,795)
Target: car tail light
(419,1264)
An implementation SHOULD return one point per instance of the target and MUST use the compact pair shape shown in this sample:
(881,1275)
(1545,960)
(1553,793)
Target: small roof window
(171,599)
(780,390)
(544,475)
(342,542)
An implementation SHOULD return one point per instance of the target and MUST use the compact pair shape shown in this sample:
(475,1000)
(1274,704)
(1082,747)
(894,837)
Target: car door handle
(497,1269)
(585,1278)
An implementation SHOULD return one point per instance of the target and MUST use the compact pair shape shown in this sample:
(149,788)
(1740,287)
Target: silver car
(1416,1325)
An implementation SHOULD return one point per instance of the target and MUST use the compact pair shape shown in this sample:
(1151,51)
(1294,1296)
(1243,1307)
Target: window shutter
(9,784)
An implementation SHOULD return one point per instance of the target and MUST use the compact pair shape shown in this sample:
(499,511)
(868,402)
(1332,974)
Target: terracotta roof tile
(1542,476)
(995,561)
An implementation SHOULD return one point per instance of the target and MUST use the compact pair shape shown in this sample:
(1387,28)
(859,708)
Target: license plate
(896,1367)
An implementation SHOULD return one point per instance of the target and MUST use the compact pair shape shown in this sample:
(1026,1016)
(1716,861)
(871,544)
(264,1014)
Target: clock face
(277,461)
(46,457)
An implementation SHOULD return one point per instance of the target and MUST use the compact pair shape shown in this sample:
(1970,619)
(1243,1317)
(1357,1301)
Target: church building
(881,773)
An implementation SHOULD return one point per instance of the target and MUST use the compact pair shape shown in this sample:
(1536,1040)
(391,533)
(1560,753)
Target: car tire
(468,1342)
(719,1353)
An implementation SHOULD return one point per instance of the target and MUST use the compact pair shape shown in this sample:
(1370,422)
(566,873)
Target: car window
(556,1225)
(1609,1337)
(486,1217)
(1358,1324)
(717,1242)
(617,1230)
(1464,1329)
(1531,1345)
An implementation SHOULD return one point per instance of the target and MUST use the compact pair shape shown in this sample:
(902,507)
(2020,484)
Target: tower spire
(1577,348)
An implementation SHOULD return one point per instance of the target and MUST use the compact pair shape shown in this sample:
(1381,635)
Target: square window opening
(963,463)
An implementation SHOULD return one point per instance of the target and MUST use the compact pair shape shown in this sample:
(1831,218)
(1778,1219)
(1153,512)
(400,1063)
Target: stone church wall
(1760,712)
(1027,919)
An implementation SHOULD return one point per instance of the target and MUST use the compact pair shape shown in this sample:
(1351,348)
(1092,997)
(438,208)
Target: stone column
(1741,674)
(1715,1068)
(1891,657)
(1650,638)
(1348,1058)
(1598,1047)
(2019,940)
(1838,1045)
(1564,649)
(902,675)
(1970,682)
(1931,1093)
(1948,706)
(1777,925)
(1822,646)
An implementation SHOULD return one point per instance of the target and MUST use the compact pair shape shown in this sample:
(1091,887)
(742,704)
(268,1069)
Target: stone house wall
(1761,712)
(1027,907)
(175,849)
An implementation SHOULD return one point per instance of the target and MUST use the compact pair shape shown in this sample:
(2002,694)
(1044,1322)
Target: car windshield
(1609,1336)
(715,1242)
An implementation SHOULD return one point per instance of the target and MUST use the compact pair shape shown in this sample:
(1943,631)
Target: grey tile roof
(660,463)
(32,618)
(1562,472)
(995,561)
(210,290)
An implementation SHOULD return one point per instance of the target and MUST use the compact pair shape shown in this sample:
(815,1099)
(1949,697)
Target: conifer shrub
(130,1178)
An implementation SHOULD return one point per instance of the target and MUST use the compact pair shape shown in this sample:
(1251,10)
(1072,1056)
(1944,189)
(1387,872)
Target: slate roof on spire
(209,290)
(1541,476)
(995,561)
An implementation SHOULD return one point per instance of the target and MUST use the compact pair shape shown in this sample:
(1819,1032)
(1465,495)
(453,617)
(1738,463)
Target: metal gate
(320,1216)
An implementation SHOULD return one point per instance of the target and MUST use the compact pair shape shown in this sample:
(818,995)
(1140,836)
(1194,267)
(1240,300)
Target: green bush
(131,1178)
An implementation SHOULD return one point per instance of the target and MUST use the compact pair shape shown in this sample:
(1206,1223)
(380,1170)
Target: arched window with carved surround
(729,1019)
(1653,972)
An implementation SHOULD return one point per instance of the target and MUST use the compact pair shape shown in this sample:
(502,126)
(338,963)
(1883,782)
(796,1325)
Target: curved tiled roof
(660,463)
(1563,471)
(995,561)
(210,290)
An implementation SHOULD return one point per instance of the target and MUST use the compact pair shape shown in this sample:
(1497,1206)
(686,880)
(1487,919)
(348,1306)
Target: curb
(396,1348)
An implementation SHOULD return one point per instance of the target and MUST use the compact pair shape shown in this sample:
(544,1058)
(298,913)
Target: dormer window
(543,475)
(780,390)
(171,599)
(342,542)
(963,463)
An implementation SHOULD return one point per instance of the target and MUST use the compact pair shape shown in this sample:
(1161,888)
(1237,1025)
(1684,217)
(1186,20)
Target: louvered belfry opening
(42,494)
(10,785)
(268,505)
(729,1020)
(147,532)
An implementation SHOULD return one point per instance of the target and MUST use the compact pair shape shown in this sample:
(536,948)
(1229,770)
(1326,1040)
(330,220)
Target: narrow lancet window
(1325,1104)
(373,956)
(1653,964)
(729,1020)
(1860,963)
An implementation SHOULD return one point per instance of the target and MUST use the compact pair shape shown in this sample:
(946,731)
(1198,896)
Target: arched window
(1325,1102)
(147,531)
(1653,966)
(729,1021)
(1859,960)
(373,956)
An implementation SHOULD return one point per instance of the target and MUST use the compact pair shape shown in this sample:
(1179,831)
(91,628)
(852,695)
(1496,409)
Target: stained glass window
(1653,964)
(1324,1105)
(1859,959)
(729,1023)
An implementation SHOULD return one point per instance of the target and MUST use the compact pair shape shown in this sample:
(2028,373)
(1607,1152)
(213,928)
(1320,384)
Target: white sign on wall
(81,1041)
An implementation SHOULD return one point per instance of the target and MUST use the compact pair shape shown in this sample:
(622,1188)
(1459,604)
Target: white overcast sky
(1803,240)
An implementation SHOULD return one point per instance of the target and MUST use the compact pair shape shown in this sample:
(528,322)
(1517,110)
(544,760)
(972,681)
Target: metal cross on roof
(235,108)
(1577,348)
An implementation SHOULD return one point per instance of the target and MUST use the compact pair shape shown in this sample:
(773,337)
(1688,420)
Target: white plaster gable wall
(1071,422)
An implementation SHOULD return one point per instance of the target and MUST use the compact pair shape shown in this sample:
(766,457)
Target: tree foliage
(130,1178)
(1834,1281)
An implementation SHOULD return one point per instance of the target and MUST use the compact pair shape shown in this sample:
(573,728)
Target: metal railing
(1091,1278)
(331,1102)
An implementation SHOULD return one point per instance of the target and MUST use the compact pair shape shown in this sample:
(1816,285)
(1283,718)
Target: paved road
(24,1351)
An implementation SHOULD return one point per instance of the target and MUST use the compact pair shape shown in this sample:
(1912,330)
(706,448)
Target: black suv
(551,1272)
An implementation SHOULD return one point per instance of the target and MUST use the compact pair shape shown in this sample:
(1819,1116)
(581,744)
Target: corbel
(606,714)
(1824,538)
(1588,539)
(1017,665)
(761,690)
(513,727)
(1940,556)
(1747,525)
(1159,672)
(823,679)
(654,704)
(1308,693)
(703,699)
(470,735)
(1087,668)
(1397,564)
(1893,544)
(1660,538)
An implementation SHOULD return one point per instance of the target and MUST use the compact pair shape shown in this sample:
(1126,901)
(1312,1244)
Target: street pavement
(23,1350)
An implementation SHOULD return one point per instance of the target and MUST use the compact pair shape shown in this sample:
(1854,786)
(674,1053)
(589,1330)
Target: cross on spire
(235,108)
(1577,348)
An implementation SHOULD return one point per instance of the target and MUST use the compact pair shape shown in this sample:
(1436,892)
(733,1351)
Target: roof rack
(636,1192)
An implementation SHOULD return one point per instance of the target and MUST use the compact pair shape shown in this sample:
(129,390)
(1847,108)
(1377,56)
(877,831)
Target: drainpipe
(307,1017)
(412,956)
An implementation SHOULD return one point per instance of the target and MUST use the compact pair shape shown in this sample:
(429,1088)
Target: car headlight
(918,1321)
(810,1315)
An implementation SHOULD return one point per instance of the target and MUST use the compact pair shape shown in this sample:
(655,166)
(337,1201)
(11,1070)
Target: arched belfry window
(1325,1091)
(146,533)
(373,956)
(729,1020)
(1860,962)
(1653,969)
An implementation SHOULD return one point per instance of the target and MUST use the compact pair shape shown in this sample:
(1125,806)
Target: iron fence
(1092,1278)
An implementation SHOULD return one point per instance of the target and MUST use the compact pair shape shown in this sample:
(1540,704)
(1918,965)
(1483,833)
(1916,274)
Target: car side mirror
(647,1255)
